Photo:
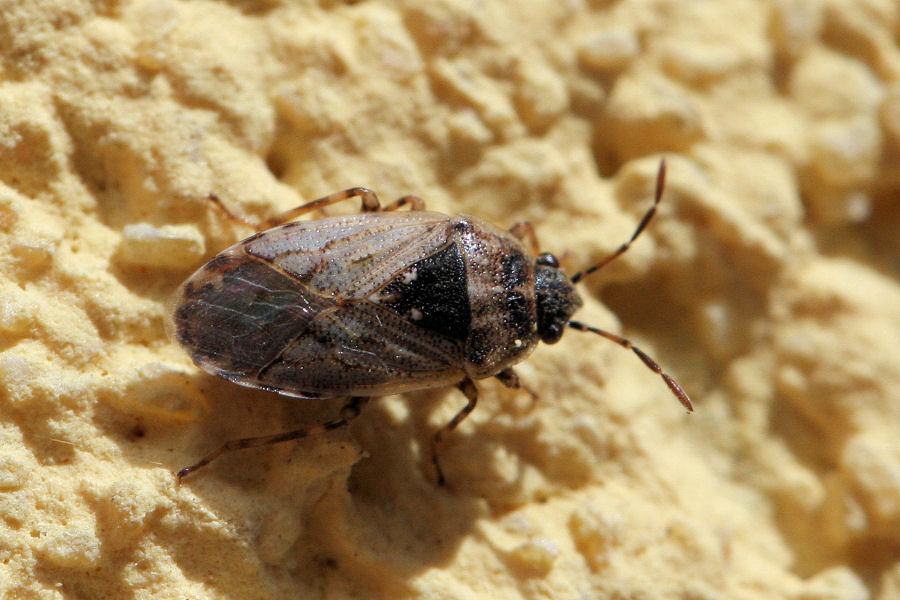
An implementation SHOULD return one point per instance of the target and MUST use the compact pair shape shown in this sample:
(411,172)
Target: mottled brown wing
(287,310)
(361,349)
(350,257)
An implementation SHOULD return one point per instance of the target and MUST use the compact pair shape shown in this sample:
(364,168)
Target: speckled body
(363,305)
(378,303)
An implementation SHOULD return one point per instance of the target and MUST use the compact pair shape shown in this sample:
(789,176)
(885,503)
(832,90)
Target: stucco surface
(767,285)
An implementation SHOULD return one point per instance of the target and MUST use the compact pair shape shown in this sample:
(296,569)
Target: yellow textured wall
(767,285)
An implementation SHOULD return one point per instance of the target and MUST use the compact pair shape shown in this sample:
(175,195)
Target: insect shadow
(378,303)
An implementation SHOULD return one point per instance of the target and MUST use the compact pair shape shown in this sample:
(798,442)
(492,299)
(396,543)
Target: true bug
(379,303)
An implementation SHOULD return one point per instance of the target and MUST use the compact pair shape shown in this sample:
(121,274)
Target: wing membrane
(361,349)
(350,257)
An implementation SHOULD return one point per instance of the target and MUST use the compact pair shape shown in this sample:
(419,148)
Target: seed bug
(381,302)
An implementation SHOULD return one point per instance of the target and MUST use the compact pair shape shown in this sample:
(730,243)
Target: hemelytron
(381,302)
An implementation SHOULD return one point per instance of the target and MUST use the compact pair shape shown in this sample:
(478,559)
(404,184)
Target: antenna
(625,343)
(651,364)
(657,195)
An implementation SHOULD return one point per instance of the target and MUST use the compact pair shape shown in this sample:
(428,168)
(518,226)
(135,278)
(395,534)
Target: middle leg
(467,387)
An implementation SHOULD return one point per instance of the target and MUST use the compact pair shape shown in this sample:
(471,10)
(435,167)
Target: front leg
(510,379)
(524,231)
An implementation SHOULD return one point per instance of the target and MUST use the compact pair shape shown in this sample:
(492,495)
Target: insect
(377,303)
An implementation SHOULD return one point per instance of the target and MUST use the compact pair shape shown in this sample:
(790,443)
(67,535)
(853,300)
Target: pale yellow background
(767,285)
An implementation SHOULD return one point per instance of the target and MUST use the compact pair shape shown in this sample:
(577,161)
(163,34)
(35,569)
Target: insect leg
(524,230)
(467,387)
(369,200)
(651,364)
(657,195)
(414,203)
(510,379)
(369,203)
(236,218)
(349,412)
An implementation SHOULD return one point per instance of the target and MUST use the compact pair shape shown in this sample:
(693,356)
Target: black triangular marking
(432,293)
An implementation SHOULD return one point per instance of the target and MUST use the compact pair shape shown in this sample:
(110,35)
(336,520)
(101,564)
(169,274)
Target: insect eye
(548,260)
(552,333)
